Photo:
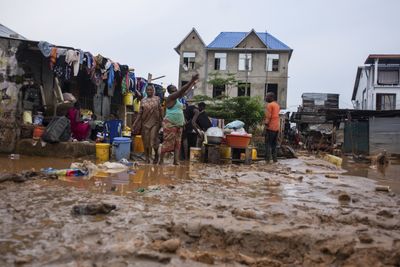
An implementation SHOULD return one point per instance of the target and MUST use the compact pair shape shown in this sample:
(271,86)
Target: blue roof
(229,40)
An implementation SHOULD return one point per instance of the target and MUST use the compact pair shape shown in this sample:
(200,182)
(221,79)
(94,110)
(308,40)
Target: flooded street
(285,214)
(384,175)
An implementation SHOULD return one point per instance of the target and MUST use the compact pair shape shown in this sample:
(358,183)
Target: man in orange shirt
(272,110)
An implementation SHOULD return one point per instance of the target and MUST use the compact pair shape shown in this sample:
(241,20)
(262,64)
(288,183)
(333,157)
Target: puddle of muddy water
(29,162)
(388,175)
(130,181)
(121,183)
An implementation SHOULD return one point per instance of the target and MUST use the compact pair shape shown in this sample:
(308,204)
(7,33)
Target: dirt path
(286,214)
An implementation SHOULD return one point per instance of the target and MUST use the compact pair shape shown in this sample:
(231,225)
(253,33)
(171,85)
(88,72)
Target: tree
(217,80)
(250,110)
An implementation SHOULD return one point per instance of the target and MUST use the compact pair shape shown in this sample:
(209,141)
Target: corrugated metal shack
(315,101)
(27,83)
(317,131)
(368,131)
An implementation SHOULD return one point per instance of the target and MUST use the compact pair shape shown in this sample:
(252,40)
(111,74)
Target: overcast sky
(329,38)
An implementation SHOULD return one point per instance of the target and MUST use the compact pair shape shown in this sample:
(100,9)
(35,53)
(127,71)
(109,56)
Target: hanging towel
(53,57)
(72,58)
(110,80)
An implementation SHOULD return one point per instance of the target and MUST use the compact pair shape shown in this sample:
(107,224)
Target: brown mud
(285,214)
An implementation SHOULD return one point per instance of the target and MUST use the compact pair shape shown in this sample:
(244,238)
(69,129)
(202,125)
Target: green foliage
(250,110)
(218,80)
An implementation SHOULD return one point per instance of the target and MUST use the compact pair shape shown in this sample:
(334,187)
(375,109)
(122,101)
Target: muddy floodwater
(298,212)
(385,175)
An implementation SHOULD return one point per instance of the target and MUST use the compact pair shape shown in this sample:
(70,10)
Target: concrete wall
(9,95)
(193,44)
(257,77)
(384,135)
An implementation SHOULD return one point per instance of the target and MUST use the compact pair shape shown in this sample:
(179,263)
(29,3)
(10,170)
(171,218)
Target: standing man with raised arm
(174,120)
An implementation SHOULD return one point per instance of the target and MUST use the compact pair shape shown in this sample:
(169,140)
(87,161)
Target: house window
(271,88)
(245,61)
(273,62)
(244,89)
(188,60)
(220,61)
(388,77)
(385,101)
(218,90)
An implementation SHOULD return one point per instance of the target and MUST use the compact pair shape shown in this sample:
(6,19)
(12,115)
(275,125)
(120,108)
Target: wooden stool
(236,155)
(211,154)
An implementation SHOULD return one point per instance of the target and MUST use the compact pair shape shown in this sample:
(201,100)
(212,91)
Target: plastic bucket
(128,99)
(38,132)
(225,152)
(195,154)
(138,145)
(254,154)
(122,148)
(27,117)
(126,133)
(102,151)
(136,105)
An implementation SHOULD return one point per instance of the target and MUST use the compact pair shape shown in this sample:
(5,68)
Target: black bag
(58,130)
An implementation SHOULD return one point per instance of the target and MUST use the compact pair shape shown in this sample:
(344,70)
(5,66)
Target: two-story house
(258,61)
(377,84)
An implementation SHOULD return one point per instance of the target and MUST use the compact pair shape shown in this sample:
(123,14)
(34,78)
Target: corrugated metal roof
(8,33)
(229,40)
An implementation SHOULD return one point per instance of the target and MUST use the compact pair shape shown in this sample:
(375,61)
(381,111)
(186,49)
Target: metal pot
(214,140)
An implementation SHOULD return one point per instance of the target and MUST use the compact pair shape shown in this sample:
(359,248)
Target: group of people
(189,124)
(179,124)
(151,119)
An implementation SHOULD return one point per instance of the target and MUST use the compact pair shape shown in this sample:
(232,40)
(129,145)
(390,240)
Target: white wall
(367,82)
(363,84)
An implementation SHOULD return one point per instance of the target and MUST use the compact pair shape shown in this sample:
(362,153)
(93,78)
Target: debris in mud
(344,197)
(170,245)
(251,214)
(93,209)
(25,176)
(273,183)
(152,255)
(385,213)
(365,238)
(381,159)
(382,188)
(245,259)
(332,176)
(204,257)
